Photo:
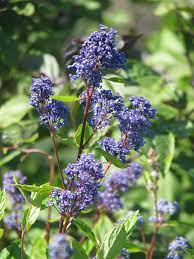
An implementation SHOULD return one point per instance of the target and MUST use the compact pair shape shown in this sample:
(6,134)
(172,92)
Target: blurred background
(158,39)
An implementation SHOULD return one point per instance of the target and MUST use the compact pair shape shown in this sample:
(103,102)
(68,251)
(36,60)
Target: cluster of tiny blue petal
(116,184)
(59,248)
(98,53)
(177,248)
(13,221)
(83,184)
(165,208)
(115,148)
(133,124)
(40,92)
(124,254)
(52,113)
(106,106)
(55,113)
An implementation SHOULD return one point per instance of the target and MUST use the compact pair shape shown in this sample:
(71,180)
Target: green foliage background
(41,37)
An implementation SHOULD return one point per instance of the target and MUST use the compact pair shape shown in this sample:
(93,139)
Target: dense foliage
(97,129)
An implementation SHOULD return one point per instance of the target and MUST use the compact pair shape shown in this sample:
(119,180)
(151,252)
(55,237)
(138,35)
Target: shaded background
(158,38)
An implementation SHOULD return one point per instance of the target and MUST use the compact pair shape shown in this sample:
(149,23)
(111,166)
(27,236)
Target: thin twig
(86,111)
(157,227)
(22,245)
(56,155)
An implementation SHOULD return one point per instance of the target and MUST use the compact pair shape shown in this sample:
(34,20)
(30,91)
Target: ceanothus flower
(55,114)
(52,113)
(133,123)
(82,186)
(98,54)
(165,209)
(177,248)
(106,106)
(115,148)
(13,221)
(40,91)
(118,183)
(124,254)
(59,247)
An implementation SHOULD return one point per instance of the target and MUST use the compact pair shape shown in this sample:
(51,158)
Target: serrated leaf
(113,243)
(130,222)
(29,217)
(78,251)
(7,158)
(112,159)
(34,188)
(14,110)
(87,230)
(65,99)
(115,240)
(87,133)
(3,203)
(165,147)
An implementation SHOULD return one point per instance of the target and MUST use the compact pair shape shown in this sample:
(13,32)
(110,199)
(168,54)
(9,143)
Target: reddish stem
(56,155)
(86,111)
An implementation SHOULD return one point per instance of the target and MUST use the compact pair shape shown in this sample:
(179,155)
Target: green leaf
(133,248)
(113,243)
(29,217)
(115,79)
(7,158)
(38,249)
(190,252)
(13,251)
(166,111)
(87,133)
(1,232)
(3,203)
(111,158)
(65,99)
(165,147)
(34,188)
(115,240)
(102,226)
(42,192)
(14,110)
(130,222)
(87,230)
(78,251)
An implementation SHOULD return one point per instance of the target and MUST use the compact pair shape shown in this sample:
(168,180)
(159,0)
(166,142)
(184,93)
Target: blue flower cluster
(115,148)
(177,248)
(105,107)
(124,254)
(116,184)
(13,220)
(59,248)
(52,113)
(165,208)
(133,124)
(82,186)
(98,53)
